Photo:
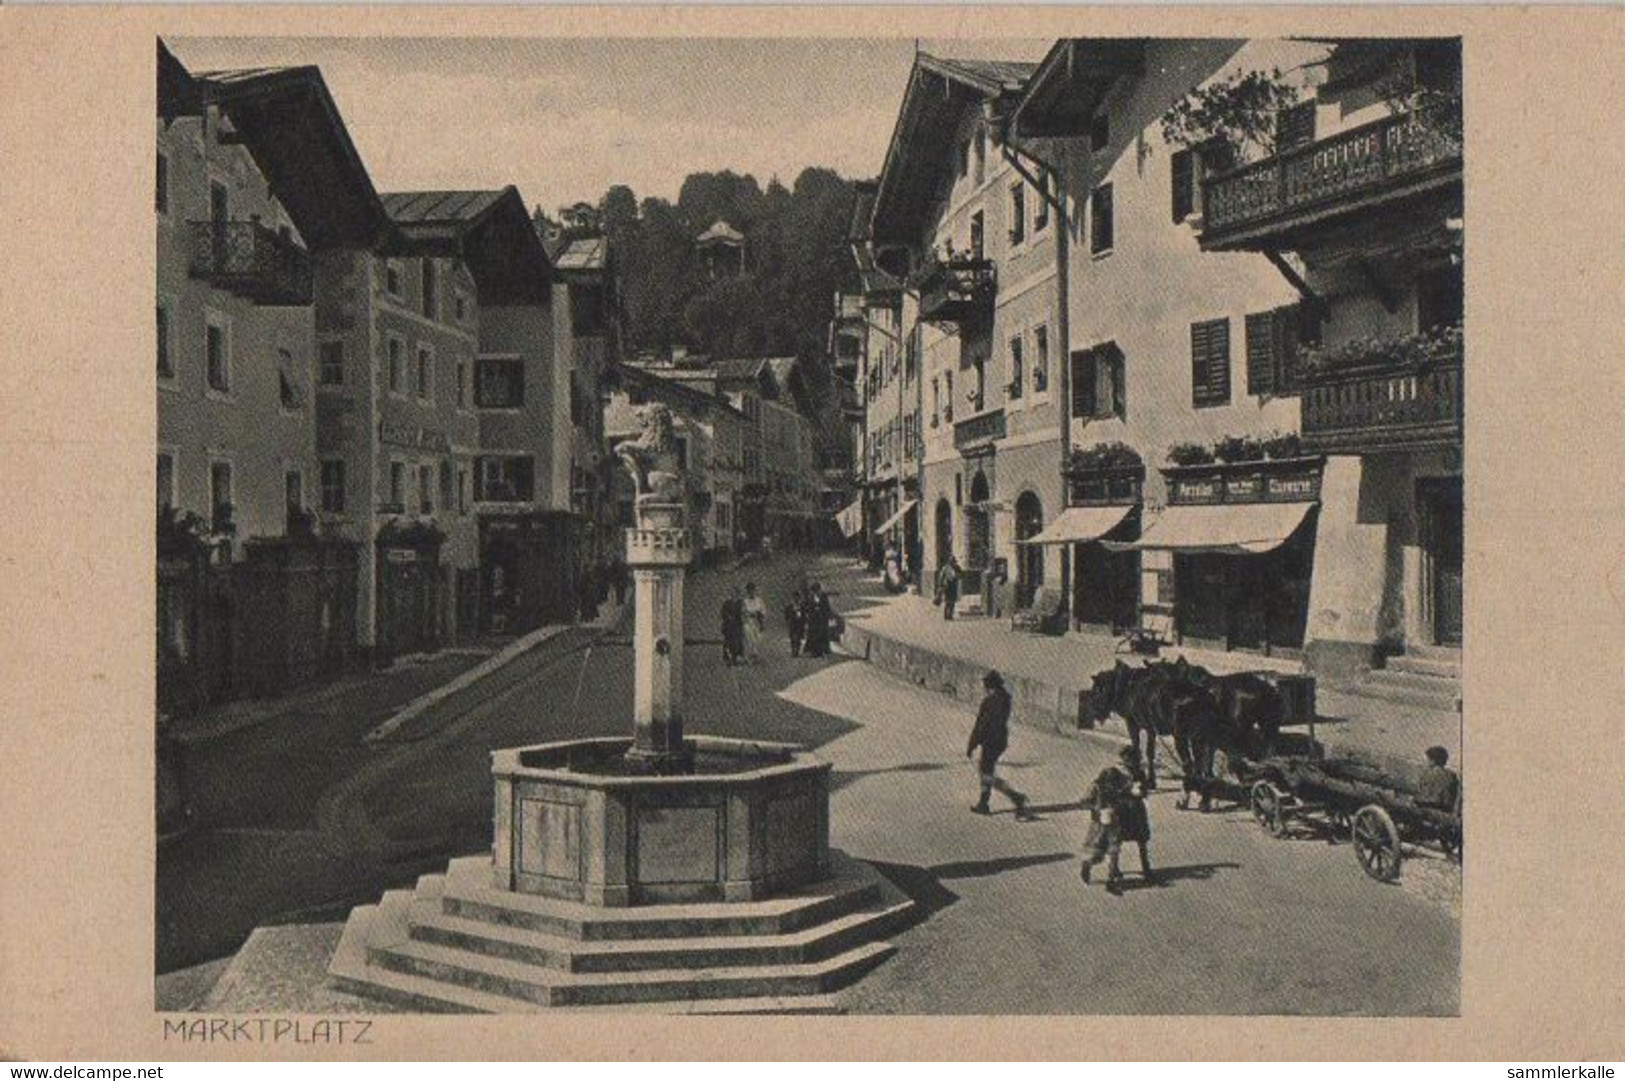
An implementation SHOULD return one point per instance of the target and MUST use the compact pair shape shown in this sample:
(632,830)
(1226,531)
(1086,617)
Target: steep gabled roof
(1072,80)
(586,254)
(489,230)
(939,91)
(291,127)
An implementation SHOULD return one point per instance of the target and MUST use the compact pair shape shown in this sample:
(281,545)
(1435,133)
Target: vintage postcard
(788,521)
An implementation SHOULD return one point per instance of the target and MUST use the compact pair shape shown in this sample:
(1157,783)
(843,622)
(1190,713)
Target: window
(1273,339)
(289,390)
(425,489)
(431,294)
(293,487)
(976,231)
(499,384)
(1041,204)
(507,479)
(392,279)
(333,486)
(425,372)
(936,402)
(161,192)
(1041,360)
(166,479)
(1183,165)
(333,364)
(682,452)
(1099,383)
(166,361)
(1100,133)
(979,393)
(979,155)
(1210,363)
(1018,213)
(397,365)
(964,159)
(397,486)
(460,304)
(462,384)
(445,485)
(1016,380)
(217,354)
(462,491)
(948,396)
(219,205)
(220,494)
(1100,220)
(578,408)
(1440,298)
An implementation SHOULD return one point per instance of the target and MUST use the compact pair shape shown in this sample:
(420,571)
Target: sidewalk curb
(512,651)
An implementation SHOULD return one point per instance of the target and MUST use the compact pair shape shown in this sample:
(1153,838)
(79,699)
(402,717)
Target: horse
(1203,713)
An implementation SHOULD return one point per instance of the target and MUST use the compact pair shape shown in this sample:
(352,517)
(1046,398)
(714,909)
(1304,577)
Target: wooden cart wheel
(1376,843)
(1267,803)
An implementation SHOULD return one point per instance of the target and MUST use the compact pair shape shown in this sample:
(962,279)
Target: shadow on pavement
(841,778)
(1167,876)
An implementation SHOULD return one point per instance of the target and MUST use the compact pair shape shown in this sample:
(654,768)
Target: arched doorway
(978,526)
(944,532)
(1029,557)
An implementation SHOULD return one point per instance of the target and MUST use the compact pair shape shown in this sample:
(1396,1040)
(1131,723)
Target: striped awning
(1078,524)
(1229,528)
(898,517)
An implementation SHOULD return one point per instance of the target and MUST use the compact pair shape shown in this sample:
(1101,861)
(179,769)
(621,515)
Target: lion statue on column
(651,458)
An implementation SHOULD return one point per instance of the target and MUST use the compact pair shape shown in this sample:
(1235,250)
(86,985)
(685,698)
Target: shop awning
(898,517)
(1231,528)
(850,519)
(1078,524)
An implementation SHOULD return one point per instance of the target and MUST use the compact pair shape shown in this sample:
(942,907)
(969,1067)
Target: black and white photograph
(810,525)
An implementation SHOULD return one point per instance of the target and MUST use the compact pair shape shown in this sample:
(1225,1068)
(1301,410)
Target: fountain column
(658,552)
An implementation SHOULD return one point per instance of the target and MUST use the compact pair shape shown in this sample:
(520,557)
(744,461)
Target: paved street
(305,821)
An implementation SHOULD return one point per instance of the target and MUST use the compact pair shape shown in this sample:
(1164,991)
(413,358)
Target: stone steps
(457,944)
(1436,667)
(430,924)
(350,972)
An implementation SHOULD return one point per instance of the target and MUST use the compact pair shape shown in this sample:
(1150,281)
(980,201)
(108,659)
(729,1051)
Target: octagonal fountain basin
(575,821)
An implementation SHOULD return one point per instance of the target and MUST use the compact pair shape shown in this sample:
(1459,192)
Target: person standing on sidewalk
(819,617)
(992,734)
(733,627)
(948,587)
(755,622)
(1117,813)
(795,621)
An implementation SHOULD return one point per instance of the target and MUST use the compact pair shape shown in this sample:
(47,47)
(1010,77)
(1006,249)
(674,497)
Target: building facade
(1366,198)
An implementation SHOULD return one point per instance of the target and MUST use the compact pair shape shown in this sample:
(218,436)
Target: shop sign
(400,555)
(399,434)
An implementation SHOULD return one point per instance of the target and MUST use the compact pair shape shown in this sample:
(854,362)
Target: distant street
(306,822)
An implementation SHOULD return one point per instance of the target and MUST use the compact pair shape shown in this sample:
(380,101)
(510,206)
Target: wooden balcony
(1374,409)
(958,291)
(250,260)
(979,431)
(1272,203)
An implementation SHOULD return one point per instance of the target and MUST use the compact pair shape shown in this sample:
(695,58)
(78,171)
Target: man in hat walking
(992,735)
(1117,810)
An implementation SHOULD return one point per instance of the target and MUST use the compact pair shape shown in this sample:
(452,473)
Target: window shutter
(1263,343)
(1083,383)
(1184,180)
(1295,126)
(1210,362)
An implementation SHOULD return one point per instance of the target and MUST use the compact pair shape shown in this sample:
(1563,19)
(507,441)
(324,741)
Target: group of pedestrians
(809,620)
(1116,799)
(744,619)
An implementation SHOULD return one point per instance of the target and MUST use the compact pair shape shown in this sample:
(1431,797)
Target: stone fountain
(661,868)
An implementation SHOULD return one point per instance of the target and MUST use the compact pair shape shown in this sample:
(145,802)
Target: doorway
(1029,557)
(1439,503)
(944,533)
(978,525)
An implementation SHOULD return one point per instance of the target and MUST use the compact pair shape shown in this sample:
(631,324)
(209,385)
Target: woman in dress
(755,622)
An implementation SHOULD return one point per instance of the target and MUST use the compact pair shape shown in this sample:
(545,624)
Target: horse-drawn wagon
(1377,809)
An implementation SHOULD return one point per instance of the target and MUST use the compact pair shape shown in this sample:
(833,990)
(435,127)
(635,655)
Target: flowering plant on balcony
(1190,454)
(1418,351)
(1239,448)
(1103,456)
(1235,113)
